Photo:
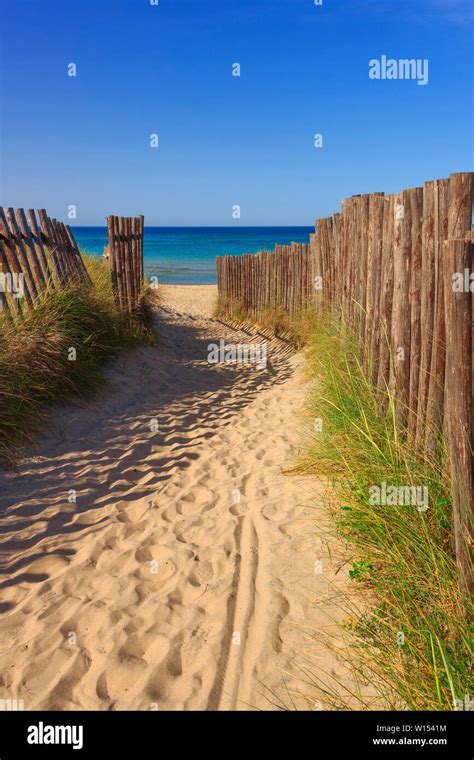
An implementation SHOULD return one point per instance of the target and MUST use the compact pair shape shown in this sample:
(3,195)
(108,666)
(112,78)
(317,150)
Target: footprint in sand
(239,509)
(132,512)
(155,586)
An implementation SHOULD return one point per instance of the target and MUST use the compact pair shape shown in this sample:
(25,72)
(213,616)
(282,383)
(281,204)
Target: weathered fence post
(459,428)
(125,236)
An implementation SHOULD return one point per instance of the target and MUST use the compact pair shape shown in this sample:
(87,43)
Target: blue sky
(167,69)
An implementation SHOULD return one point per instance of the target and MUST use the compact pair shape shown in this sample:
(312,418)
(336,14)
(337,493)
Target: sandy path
(184,575)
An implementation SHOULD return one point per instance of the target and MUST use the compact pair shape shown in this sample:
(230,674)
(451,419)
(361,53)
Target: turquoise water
(186,255)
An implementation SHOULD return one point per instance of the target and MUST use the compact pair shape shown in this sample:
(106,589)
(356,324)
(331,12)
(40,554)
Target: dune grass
(413,643)
(54,351)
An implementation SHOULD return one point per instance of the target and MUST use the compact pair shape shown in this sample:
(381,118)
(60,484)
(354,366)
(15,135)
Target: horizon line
(209,226)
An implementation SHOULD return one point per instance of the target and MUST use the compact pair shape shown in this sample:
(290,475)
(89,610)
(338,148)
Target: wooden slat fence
(254,281)
(125,254)
(35,257)
(398,270)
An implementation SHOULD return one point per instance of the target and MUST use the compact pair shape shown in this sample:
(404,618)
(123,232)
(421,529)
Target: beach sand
(194,300)
(174,568)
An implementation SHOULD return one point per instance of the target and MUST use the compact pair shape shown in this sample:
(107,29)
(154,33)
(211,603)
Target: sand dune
(183,575)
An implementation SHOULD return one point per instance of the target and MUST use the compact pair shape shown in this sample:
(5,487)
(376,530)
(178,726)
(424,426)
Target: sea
(187,255)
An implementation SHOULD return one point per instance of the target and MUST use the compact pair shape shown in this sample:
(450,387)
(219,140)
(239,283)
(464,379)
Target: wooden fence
(125,254)
(253,281)
(398,270)
(35,258)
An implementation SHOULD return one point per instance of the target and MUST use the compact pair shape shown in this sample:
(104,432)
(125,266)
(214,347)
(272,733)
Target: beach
(236,373)
(194,300)
(157,553)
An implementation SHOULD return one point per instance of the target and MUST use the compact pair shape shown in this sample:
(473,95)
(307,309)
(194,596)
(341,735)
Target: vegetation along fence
(398,270)
(34,258)
(125,254)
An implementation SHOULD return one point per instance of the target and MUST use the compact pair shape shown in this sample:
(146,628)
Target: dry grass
(54,351)
(296,328)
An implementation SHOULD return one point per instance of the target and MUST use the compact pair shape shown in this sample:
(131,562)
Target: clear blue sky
(143,69)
